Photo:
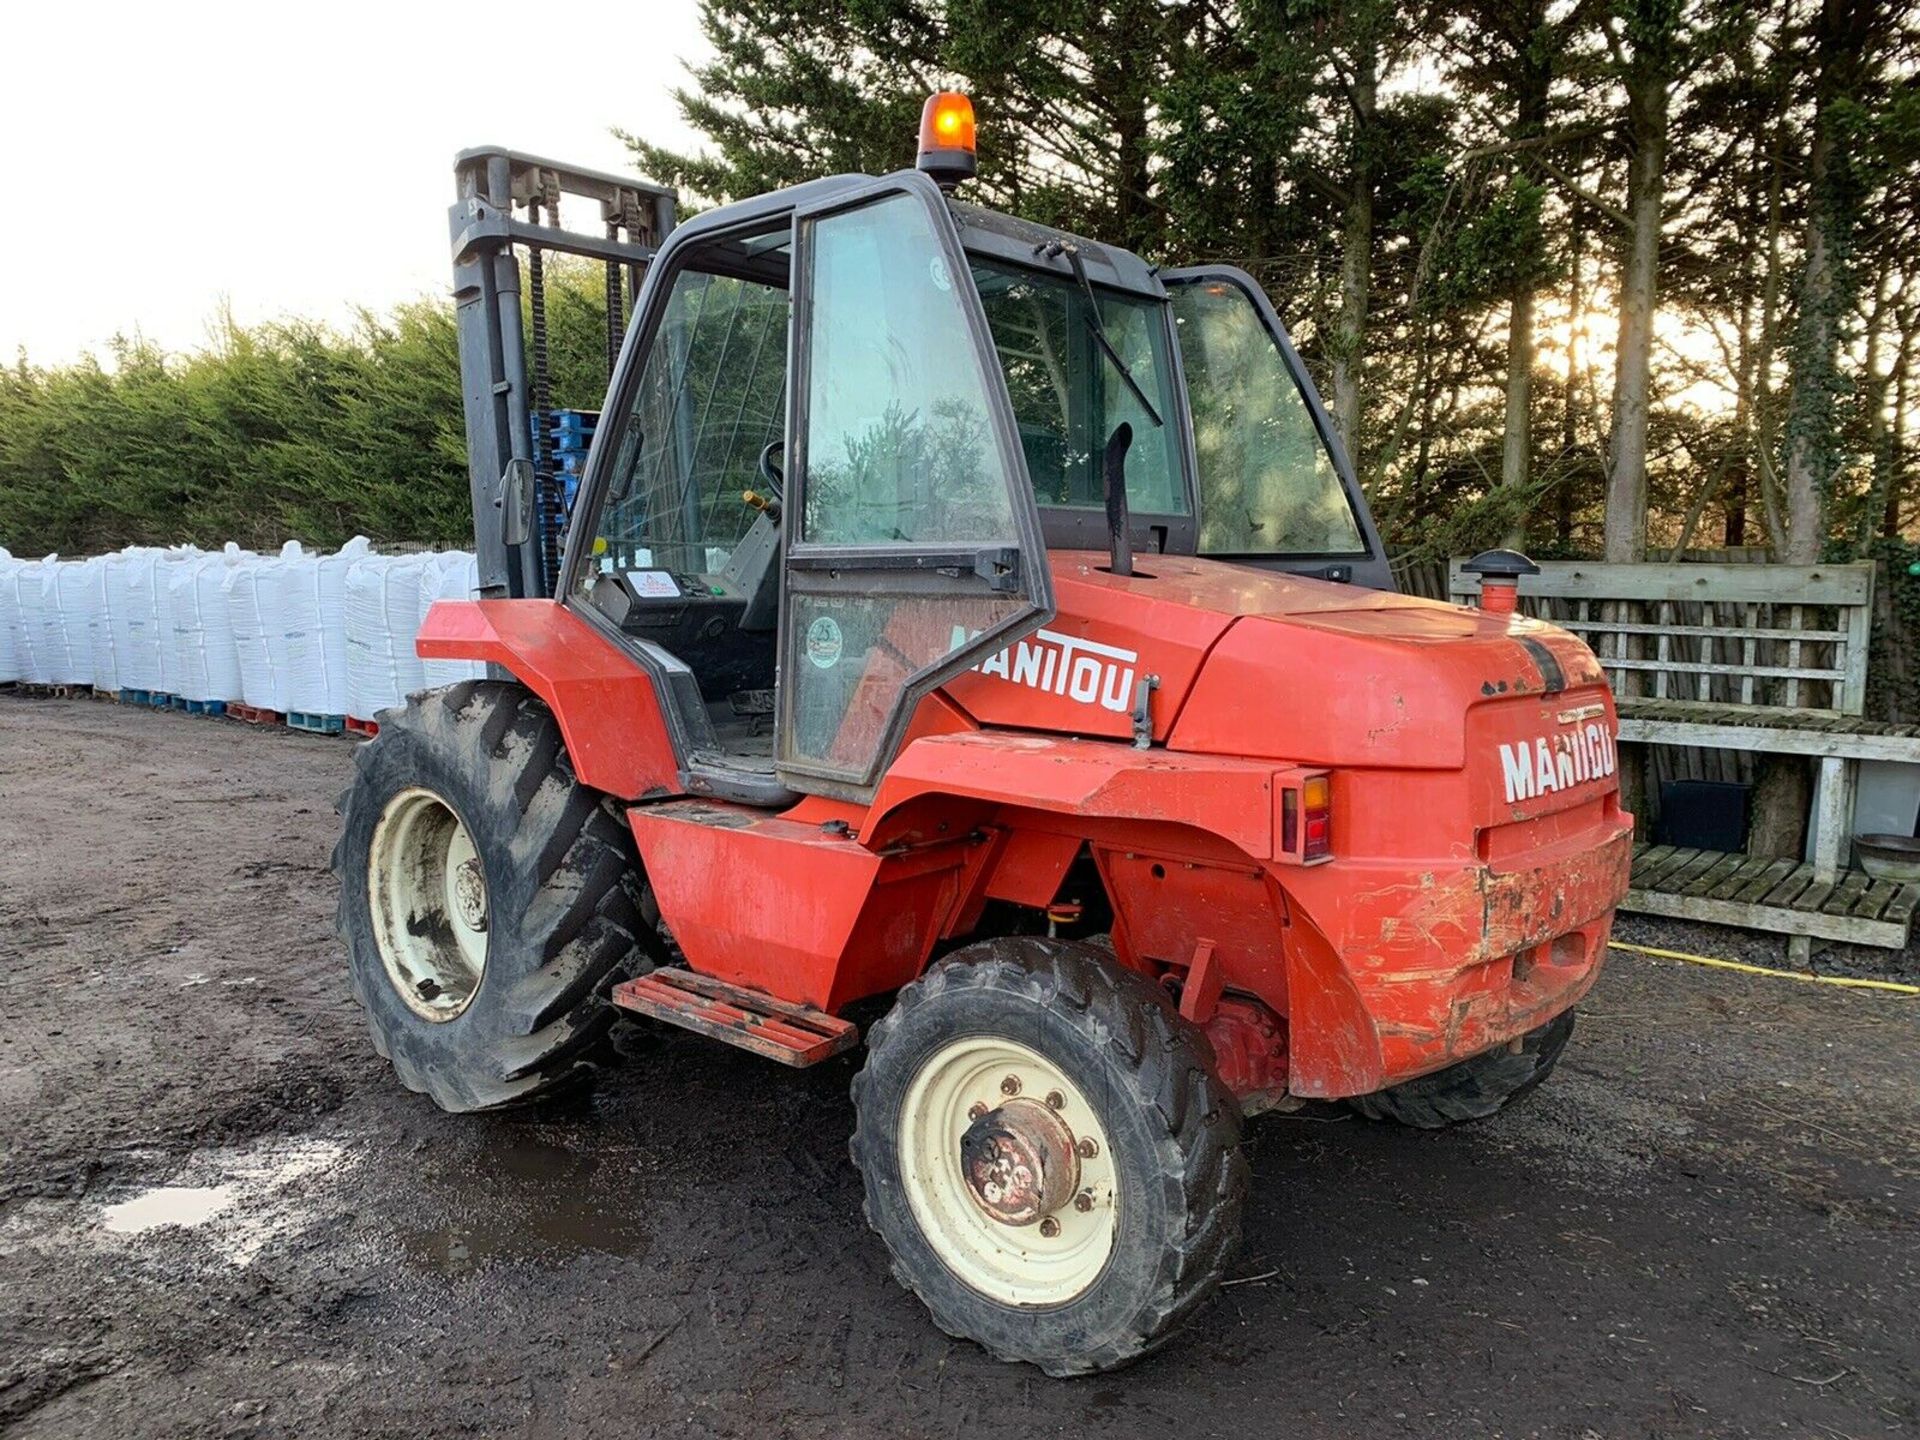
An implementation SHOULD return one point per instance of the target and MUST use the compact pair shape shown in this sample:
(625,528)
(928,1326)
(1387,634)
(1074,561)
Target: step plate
(792,1034)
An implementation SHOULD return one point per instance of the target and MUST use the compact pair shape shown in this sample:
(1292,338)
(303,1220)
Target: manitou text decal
(1082,670)
(1548,763)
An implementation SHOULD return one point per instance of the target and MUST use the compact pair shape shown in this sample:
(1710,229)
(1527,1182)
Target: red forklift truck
(878,662)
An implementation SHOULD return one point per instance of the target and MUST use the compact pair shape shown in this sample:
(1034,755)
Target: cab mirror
(515,503)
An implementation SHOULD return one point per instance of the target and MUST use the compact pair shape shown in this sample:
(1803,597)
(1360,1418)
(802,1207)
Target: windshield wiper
(1054,248)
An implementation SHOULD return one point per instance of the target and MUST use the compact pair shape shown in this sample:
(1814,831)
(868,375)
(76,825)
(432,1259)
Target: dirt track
(1704,1225)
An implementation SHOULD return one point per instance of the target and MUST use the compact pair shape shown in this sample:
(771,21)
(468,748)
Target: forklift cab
(813,472)
(850,419)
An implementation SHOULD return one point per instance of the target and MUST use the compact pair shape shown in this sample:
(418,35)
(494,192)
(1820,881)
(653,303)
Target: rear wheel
(1048,1154)
(488,900)
(1472,1089)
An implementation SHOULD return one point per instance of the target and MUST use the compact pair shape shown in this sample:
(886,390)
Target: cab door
(1277,489)
(913,546)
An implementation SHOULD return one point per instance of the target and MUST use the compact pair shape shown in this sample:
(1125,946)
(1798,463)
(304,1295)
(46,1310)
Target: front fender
(608,712)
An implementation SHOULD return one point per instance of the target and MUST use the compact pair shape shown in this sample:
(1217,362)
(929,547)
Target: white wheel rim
(1021,1265)
(428,894)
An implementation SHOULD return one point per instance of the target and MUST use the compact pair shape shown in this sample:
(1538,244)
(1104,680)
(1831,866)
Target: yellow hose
(1846,981)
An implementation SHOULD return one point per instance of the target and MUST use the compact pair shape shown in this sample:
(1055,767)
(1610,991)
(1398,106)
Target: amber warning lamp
(946,138)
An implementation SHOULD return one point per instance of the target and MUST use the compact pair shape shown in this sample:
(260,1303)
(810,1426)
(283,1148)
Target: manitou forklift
(879,662)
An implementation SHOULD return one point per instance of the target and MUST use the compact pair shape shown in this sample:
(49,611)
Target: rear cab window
(1268,482)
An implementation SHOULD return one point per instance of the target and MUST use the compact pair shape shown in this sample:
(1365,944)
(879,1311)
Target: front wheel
(1048,1154)
(1472,1089)
(488,899)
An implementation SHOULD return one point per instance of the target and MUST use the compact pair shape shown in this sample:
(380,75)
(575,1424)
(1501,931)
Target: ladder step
(778,1029)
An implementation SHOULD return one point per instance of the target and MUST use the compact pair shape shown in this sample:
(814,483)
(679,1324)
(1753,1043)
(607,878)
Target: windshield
(1067,395)
(1268,485)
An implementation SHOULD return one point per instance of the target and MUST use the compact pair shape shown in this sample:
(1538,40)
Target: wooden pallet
(1780,895)
(254,714)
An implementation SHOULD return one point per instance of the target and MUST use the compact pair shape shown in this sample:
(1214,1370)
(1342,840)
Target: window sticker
(824,643)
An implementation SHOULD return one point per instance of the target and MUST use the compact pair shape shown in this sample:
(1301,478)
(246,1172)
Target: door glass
(1267,484)
(855,653)
(899,445)
(906,451)
(710,398)
(1067,397)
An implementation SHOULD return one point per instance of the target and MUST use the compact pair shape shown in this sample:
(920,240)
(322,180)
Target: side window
(1267,484)
(1067,398)
(898,444)
(711,396)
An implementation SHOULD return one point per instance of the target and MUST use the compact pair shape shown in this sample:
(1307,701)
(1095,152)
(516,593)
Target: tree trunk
(1356,255)
(1626,532)
(1516,456)
(1813,421)
(1532,83)
(1569,411)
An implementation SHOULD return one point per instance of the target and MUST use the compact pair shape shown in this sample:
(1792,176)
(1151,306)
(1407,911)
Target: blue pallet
(204,707)
(136,697)
(573,425)
(316,724)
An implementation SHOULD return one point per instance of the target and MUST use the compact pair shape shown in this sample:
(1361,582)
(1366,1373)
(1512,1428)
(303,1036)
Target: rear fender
(608,712)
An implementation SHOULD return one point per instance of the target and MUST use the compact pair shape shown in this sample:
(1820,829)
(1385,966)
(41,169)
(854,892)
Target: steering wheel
(770,472)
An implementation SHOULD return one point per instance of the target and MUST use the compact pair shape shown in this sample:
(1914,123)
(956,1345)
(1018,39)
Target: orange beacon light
(946,138)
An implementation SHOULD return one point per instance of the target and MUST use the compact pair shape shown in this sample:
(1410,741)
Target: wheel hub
(470,893)
(1020,1162)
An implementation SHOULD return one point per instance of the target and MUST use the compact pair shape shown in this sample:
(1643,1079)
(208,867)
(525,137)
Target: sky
(166,159)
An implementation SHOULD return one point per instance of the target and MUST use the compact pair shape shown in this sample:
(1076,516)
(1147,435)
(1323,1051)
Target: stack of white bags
(323,634)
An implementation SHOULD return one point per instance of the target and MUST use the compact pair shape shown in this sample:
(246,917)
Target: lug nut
(1049,1227)
(1010,1085)
(1056,1101)
(1083,1202)
(1088,1147)
(976,1110)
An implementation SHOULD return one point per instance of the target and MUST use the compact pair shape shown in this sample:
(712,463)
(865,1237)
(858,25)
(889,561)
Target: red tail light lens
(1316,806)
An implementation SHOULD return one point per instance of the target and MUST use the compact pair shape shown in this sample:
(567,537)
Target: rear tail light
(1316,808)
(1306,816)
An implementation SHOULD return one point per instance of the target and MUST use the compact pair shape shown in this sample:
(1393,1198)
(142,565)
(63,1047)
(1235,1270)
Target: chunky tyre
(1048,1154)
(488,900)
(1472,1089)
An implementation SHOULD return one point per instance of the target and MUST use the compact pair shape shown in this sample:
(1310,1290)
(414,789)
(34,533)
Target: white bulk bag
(30,595)
(69,611)
(132,618)
(204,664)
(167,639)
(454,575)
(313,590)
(106,671)
(254,612)
(382,617)
(10,658)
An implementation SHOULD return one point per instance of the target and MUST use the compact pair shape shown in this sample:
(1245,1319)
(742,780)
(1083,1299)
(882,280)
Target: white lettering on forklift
(1546,764)
(1083,670)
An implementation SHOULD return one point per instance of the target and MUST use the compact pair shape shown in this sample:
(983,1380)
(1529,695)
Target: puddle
(167,1205)
(239,1200)
(524,1199)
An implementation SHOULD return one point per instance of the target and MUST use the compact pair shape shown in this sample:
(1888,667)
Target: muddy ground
(1704,1225)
